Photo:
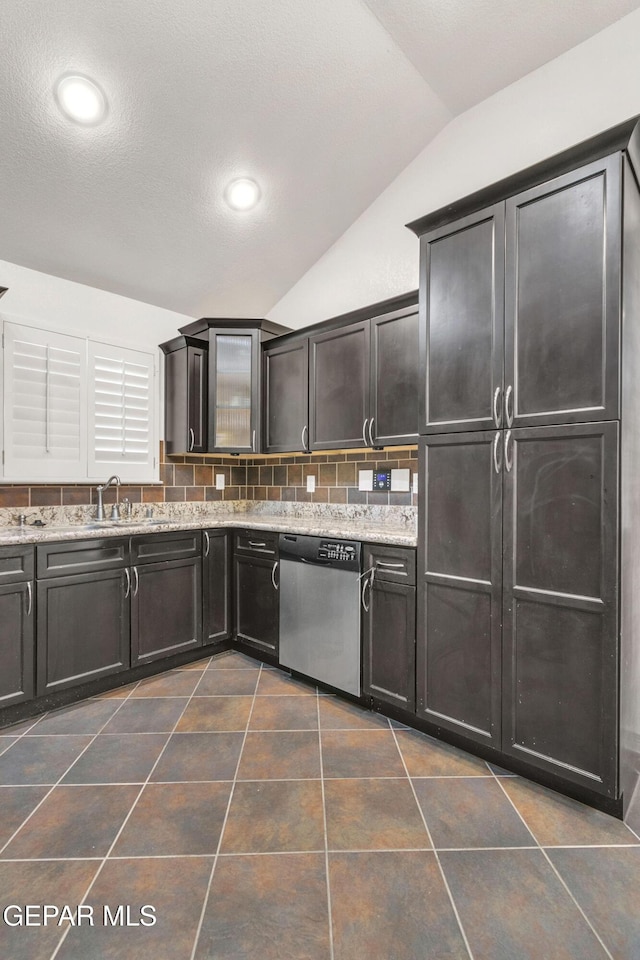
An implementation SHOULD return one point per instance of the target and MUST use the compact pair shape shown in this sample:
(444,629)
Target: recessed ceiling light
(242,194)
(80,99)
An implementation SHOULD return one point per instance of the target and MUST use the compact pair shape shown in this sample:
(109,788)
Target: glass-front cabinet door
(233,390)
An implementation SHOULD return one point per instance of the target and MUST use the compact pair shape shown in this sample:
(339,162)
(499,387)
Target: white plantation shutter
(44,407)
(122,434)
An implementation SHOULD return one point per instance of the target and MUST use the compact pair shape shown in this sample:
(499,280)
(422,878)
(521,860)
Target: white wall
(592,87)
(54,303)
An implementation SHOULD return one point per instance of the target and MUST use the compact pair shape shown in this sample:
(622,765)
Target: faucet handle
(115,512)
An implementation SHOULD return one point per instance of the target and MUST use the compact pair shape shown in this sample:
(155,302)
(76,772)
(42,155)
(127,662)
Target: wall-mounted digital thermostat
(382,480)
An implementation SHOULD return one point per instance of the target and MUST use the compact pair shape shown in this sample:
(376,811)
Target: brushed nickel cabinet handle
(128,576)
(137,581)
(303,438)
(508,406)
(276,586)
(496,443)
(508,462)
(29,598)
(207,544)
(192,438)
(371,431)
(364,431)
(392,566)
(496,413)
(253,442)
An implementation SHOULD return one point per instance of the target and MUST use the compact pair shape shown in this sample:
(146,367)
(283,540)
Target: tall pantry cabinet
(529,529)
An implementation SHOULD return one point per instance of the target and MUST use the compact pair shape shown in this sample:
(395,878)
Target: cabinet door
(462,322)
(82,628)
(286,397)
(459,584)
(166,608)
(185,397)
(339,388)
(562,299)
(395,378)
(257,602)
(560,601)
(216,586)
(389,643)
(16,643)
(234,384)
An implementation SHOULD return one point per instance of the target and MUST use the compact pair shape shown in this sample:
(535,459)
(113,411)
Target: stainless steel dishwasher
(320,609)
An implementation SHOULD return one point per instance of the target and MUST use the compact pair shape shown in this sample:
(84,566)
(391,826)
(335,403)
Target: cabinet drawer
(154,547)
(395,564)
(16,564)
(80,556)
(256,542)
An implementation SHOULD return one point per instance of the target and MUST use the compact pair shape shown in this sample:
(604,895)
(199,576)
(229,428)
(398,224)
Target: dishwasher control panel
(336,550)
(343,554)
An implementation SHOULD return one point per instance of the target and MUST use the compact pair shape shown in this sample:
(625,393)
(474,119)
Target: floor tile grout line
(125,821)
(557,874)
(59,781)
(207,894)
(326,835)
(435,852)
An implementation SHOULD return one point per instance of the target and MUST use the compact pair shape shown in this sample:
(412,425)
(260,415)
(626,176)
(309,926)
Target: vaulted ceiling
(323,103)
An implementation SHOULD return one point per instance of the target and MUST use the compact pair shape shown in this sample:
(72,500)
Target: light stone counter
(386,525)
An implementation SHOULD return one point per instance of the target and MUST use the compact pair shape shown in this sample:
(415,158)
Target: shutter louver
(120,412)
(45,424)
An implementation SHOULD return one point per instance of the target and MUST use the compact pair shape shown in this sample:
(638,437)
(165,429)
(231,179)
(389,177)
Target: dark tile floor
(264,820)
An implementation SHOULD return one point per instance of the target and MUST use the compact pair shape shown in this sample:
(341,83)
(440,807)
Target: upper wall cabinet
(185,390)
(521,308)
(286,395)
(76,410)
(212,386)
(364,381)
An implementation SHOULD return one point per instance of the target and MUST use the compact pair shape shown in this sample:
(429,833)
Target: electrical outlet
(219,481)
(311,483)
(401,481)
(365,479)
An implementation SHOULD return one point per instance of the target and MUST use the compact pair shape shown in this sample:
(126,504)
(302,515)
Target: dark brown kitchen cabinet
(394,378)
(521,307)
(256,584)
(286,395)
(185,390)
(517,612)
(217,622)
(166,595)
(389,625)
(560,600)
(82,612)
(339,387)
(17,619)
(460,583)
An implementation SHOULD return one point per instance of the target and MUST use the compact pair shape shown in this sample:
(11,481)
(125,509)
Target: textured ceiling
(322,103)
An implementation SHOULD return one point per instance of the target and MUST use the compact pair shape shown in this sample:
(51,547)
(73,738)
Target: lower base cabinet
(17,618)
(82,612)
(256,590)
(389,625)
(166,595)
(217,624)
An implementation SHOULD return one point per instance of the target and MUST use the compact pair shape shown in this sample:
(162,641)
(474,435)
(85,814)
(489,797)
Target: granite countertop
(373,528)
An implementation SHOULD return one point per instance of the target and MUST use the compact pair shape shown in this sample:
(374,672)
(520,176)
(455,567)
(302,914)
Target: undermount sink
(129,522)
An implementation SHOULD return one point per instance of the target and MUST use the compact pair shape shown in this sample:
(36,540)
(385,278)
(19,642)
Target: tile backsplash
(275,478)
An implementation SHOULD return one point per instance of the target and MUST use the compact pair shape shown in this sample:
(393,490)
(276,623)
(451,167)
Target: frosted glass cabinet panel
(233,391)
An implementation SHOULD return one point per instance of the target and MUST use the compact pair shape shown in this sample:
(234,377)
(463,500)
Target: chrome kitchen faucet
(100,490)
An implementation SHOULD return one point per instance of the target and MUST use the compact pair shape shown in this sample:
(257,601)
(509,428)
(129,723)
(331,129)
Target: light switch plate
(219,481)
(365,479)
(415,483)
(311,483)
(401,481)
